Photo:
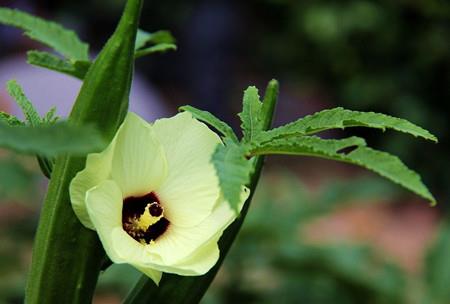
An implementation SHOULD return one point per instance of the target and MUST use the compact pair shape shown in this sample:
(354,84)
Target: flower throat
(143,218)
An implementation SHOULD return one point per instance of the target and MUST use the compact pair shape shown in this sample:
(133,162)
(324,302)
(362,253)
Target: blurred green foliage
(17,182)
(387,56)
(271,264)
(369,53)
(437,274)
(18,219)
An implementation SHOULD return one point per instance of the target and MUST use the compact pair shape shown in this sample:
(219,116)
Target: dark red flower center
(132,212)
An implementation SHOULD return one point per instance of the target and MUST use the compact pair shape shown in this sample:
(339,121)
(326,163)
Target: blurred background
(318,231)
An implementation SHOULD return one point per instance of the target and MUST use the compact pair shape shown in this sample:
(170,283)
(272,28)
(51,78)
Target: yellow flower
(153,196)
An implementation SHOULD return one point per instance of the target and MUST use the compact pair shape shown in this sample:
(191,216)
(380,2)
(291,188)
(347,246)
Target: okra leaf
(16,92)
(232,169)
(49,61)
(251,122)
(159,48)
(9,119)
(211,120)
(144,38)
(52,34)
(51,140)
(160,41)
(385,164)
(33,119)
(78,68)
(342,118)
(50,117)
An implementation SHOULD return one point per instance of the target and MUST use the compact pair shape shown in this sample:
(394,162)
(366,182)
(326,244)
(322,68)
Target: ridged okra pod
(67,257)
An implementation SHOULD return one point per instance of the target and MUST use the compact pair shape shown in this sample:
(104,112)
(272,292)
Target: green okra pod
(67,257)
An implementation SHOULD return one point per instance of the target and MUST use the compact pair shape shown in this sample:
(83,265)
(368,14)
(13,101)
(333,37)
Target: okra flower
(153,196)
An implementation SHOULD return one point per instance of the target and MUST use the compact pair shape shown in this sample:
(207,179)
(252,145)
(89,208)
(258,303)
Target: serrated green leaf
(49,61)
(78,68)
(251,122)
(51,140)
(211,120)
(9,119)
(342,118)
(143,38)
(49,33)
(50,117)
(16,92)
(33,120)
(232,169)
(159,48)
(385,164)
(162,41)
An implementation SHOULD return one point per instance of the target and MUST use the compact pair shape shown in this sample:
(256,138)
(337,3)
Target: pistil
(143,218)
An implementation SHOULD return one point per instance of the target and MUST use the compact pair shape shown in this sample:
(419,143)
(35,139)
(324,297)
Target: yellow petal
(153,274)
(98,169)
(200,262)
(191,188)
(180,244)
(138,164)
(197,264)
(104,205)
(130,250)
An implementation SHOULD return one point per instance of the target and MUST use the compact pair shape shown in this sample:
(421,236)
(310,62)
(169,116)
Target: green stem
(180,289)
(67,257)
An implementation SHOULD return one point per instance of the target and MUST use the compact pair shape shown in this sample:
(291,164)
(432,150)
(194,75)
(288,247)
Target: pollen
(143,218)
